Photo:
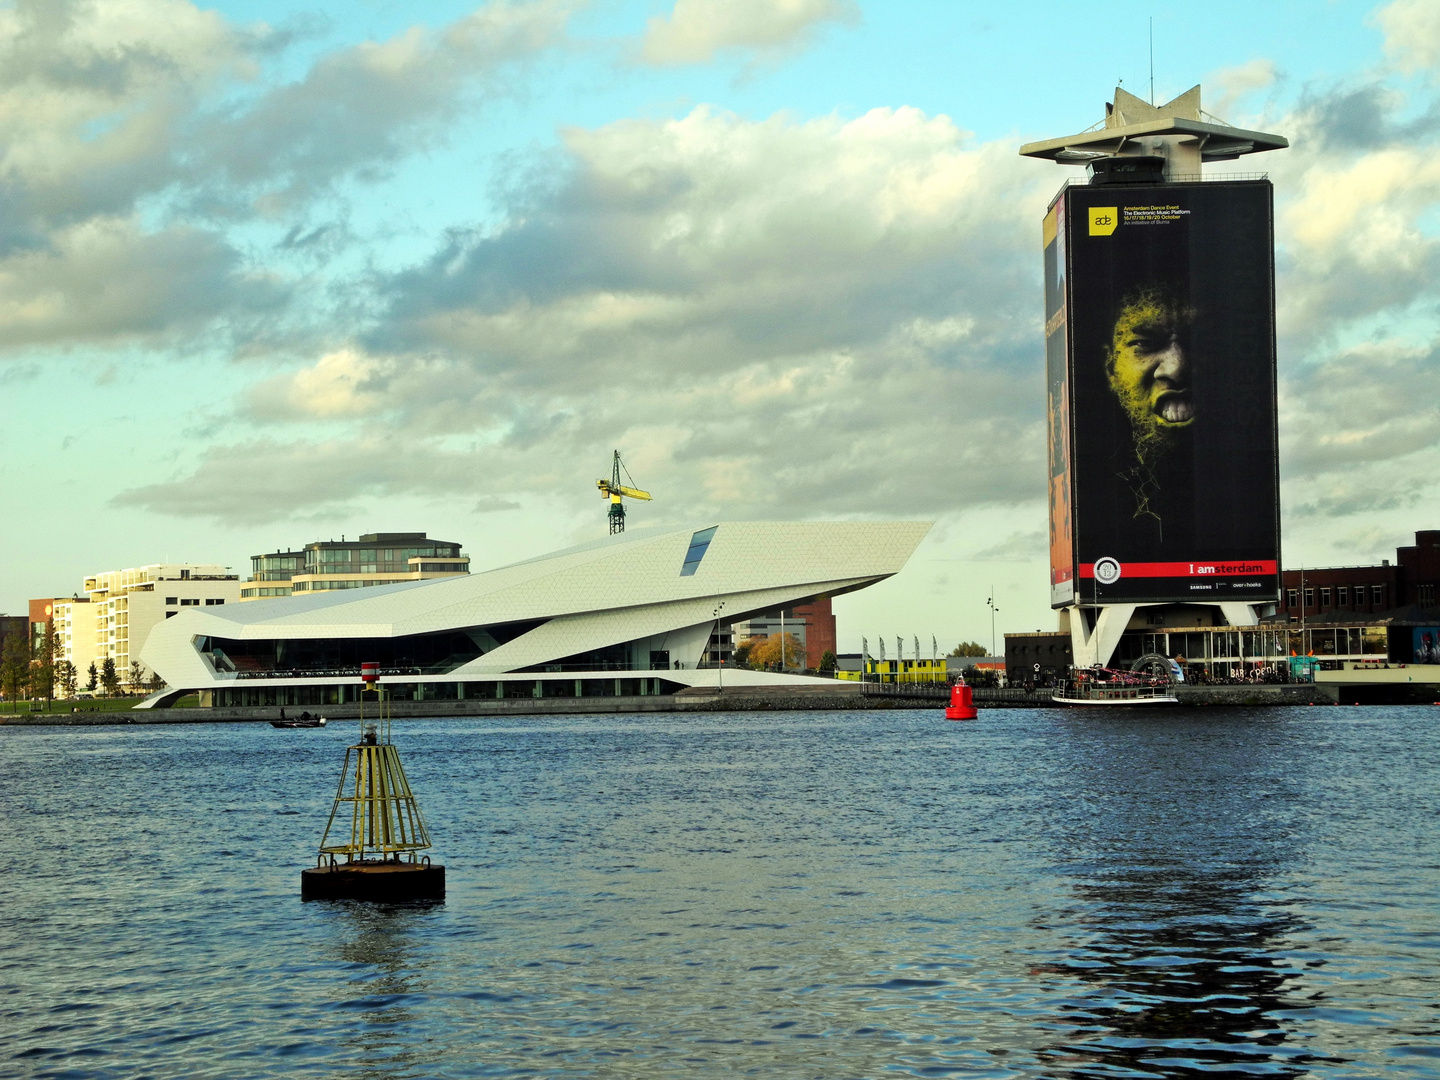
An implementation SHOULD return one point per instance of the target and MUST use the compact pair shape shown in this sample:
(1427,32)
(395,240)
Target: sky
(278,272)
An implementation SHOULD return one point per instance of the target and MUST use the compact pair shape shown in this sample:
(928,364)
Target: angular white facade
(626,607)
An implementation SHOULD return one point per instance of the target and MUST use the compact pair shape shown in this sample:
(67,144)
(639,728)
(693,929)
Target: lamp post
(720,663)
(993,610)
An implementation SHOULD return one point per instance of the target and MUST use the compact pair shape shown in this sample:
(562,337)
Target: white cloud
(1228,87)
(108,280)
(770,318)
(360,110)
(1412,33)
(696,30)
(134,133)
(342,383)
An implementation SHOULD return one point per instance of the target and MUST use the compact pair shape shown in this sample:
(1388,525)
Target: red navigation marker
(962,703)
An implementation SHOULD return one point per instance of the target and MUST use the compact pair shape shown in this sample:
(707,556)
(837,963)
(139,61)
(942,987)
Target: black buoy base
(383,881)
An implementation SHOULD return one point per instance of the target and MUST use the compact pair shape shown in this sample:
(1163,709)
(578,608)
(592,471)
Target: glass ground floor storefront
(1228,651)
(1268,652)
(348,693)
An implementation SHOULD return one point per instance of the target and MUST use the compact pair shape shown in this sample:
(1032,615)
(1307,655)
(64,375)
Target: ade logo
(1103,220)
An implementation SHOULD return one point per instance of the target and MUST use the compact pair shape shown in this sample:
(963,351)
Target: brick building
(812,624)
(1409,582)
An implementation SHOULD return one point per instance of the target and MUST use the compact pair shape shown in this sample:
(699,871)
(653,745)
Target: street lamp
(719,660)
(993,611)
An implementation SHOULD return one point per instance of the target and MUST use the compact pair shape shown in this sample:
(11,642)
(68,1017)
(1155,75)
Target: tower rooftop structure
(1179,133)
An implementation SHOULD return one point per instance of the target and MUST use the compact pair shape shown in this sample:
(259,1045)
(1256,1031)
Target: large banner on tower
(1160,353)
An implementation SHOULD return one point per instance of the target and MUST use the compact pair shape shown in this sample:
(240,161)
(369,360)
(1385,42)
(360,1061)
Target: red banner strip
(1241,568)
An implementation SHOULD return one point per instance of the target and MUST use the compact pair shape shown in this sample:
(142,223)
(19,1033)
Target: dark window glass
(1325,597)
(1342,595)
(699,544)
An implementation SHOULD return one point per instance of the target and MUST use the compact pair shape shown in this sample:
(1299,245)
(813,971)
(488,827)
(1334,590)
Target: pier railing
(923,691)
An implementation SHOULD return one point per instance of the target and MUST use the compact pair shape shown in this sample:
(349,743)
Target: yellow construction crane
(614,491)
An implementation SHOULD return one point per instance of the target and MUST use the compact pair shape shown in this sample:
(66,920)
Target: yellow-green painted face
(1149,364)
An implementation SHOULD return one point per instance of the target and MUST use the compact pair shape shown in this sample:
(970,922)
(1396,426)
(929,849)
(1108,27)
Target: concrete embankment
(748,699)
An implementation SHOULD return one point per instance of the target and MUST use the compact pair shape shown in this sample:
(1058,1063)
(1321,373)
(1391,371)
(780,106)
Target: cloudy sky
(273,272)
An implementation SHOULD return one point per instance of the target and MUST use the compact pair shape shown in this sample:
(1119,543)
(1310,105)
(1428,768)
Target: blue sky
(275,272)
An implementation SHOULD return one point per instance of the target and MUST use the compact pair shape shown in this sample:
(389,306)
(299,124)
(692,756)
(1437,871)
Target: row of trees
(763,653)
(42,672)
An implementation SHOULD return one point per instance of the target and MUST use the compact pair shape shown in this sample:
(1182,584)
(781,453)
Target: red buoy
(962,702)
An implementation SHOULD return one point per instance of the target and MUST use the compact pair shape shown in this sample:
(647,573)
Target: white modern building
(631,614)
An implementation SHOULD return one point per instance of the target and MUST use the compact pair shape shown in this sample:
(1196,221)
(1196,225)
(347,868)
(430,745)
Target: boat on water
(1108,686)
(303,720)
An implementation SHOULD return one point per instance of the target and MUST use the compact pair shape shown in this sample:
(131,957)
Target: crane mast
(616,492)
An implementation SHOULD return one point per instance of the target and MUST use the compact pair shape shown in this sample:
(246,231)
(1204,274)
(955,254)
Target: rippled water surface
(1040,893)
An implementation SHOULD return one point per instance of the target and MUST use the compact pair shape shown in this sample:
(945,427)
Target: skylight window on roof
(699,543)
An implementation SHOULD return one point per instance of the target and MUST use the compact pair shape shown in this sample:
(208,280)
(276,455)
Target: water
(1040,893)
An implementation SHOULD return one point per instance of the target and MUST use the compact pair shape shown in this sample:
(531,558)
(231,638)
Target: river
(1039,893)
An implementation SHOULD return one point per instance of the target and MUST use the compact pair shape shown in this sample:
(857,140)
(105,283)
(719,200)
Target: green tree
(67,677)
(156,682)
(135,679)
(108,679)
(740,656)
(94,677)
(42,671)
(14,666)
(827,661)
(969,648)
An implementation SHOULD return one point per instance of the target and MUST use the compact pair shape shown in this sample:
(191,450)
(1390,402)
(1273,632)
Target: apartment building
(128,604)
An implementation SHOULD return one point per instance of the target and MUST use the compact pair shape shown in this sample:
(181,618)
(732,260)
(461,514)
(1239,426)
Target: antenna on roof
(1152,59)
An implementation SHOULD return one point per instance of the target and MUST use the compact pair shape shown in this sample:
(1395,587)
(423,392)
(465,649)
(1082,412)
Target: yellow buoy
(371,844)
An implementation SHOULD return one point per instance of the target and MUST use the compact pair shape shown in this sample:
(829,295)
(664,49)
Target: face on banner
(1167,333)
(1427,645)
(1149,363)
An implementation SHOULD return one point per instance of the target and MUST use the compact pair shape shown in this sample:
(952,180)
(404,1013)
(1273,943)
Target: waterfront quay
(840,696)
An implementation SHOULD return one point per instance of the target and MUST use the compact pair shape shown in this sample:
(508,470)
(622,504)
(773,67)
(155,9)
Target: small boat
(1107,686)
(304,720)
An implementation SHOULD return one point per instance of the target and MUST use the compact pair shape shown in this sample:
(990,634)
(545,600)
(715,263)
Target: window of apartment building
(170,600)
(1310,597)
(1425,594)
(1292,597)
(211,603)
(189,601)
(1325,596)
(171,614)
(1342,595)
(1377,595)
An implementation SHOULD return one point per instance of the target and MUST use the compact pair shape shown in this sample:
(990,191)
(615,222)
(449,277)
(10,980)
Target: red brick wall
(38,614)
(819,629)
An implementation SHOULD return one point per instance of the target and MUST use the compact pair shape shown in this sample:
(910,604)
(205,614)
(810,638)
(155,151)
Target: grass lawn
(117,704)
